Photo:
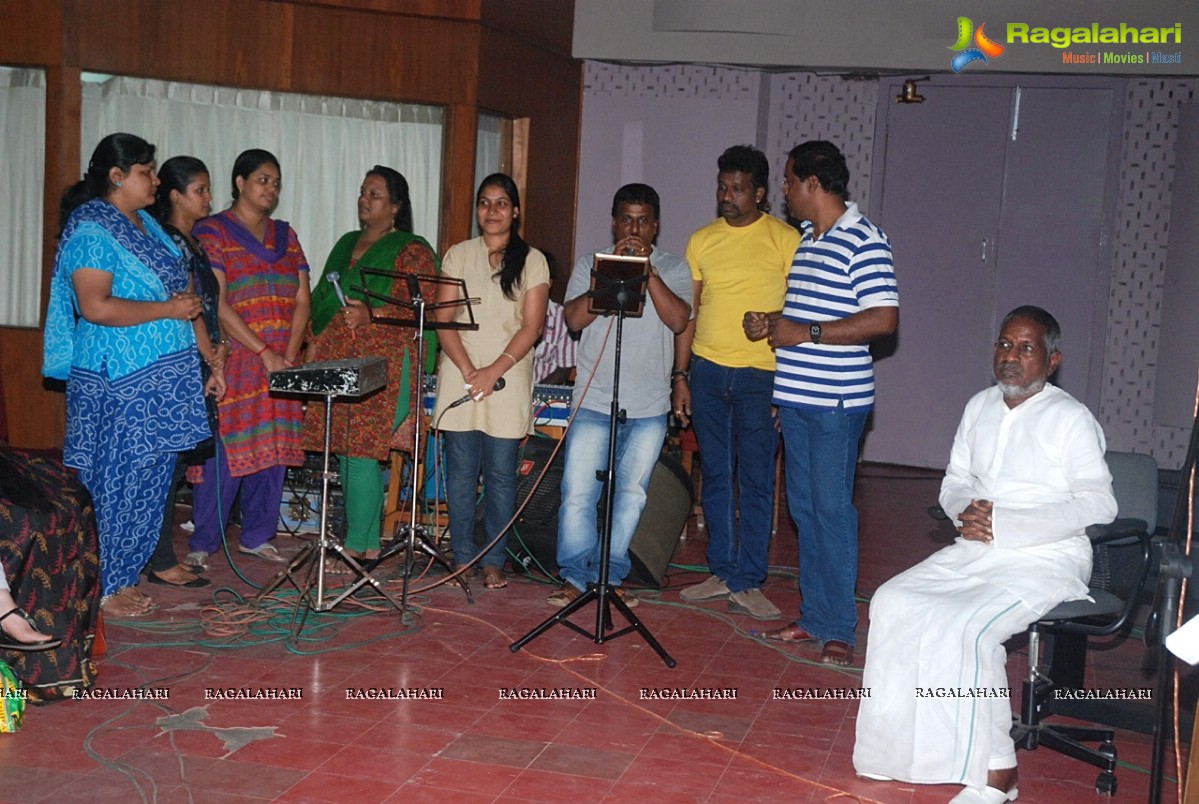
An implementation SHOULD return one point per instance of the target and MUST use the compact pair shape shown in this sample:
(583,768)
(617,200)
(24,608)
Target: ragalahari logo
(984,49)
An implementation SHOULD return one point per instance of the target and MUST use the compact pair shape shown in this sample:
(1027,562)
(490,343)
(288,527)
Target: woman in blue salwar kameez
(119,331)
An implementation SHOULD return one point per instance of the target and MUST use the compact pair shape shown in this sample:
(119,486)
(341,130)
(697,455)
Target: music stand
(354,377)
(415,536)
(618,287)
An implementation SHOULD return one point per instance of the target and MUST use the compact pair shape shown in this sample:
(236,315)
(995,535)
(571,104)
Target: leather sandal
(788,633)
(493,578)
(125,603)
(837,653)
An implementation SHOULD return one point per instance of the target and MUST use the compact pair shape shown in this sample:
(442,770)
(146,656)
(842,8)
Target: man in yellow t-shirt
(723,382)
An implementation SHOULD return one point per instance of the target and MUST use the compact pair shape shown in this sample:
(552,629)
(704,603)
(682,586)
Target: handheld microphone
(335,281)
(499,386)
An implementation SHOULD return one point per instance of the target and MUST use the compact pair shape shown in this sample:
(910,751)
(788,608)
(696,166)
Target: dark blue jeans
(822,454)
(731,413)
(467,455)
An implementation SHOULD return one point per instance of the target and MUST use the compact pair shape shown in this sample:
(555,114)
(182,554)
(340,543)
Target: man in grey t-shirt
(647,356)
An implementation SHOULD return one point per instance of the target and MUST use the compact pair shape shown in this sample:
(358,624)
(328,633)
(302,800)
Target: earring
(119,183)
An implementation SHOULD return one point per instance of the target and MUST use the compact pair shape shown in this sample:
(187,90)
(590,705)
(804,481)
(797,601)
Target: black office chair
(1066,627)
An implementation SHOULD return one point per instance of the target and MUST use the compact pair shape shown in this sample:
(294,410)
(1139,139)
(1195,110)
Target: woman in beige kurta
(482,436)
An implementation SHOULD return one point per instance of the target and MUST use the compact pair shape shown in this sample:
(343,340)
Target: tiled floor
(472,746)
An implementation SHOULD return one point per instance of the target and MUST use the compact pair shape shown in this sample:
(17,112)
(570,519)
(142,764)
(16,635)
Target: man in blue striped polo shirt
(841,295)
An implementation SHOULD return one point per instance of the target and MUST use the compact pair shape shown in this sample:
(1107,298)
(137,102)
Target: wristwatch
(814,333)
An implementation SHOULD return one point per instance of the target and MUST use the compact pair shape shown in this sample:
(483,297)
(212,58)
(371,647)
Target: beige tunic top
(507,413)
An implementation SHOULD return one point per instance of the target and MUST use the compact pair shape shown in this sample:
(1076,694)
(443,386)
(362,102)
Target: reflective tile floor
(250,716)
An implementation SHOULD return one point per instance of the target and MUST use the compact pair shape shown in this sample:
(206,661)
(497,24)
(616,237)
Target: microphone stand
(414,536)
(625,291)
(1175,565)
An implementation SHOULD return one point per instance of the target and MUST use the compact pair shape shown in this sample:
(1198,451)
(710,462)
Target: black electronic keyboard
(356,376)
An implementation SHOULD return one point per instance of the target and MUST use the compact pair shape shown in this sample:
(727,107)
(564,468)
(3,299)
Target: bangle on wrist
(263,349)
(510,357)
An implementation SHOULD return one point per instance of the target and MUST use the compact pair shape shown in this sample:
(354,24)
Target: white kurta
(938,712)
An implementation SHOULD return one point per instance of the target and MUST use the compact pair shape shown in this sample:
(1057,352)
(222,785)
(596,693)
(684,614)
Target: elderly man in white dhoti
(1026,476)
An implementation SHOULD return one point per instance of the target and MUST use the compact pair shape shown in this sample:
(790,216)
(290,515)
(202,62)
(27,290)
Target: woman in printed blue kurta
(119,331)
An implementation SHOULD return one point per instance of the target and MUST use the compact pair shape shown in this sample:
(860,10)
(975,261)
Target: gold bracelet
(510,357)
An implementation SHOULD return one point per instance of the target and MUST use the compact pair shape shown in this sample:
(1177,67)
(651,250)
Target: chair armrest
(1119,533)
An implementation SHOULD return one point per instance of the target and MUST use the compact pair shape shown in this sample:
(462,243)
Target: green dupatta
(381,255)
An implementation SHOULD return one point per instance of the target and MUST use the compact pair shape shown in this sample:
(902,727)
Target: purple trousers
(261,494)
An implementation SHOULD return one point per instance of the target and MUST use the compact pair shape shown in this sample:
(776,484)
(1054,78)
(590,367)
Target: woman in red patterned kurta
(264,309)
(365,430)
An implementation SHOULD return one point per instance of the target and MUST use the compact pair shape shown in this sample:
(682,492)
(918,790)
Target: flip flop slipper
(11,643)
(266,552)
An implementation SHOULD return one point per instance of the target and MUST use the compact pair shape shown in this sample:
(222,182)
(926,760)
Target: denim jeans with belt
(821,448)
(638,445)
(731,414)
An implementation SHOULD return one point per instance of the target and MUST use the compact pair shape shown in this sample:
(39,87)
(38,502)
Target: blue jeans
(638,445)
(731,413)
(822,455)
(467,454)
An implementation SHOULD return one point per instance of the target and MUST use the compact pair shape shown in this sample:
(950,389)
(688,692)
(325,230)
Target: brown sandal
(493,578)
(837,653)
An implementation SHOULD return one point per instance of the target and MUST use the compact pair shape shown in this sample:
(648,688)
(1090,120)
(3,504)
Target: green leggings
(362,486)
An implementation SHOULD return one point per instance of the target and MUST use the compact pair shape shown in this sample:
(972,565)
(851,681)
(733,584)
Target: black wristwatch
(814,332)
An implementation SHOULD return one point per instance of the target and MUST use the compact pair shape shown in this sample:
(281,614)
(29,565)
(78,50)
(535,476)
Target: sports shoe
(753,603)
(711,589)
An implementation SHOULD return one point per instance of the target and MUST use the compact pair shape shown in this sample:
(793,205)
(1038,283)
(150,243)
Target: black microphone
(499,386)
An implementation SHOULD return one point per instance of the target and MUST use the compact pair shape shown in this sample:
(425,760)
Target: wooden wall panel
(528,81)
(281,46)
(230,42)
(458,202)
(36,415)
(445,9)
(358,54)
(32,32)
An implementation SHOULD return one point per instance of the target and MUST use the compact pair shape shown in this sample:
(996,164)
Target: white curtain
(23,143)
(324,145)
